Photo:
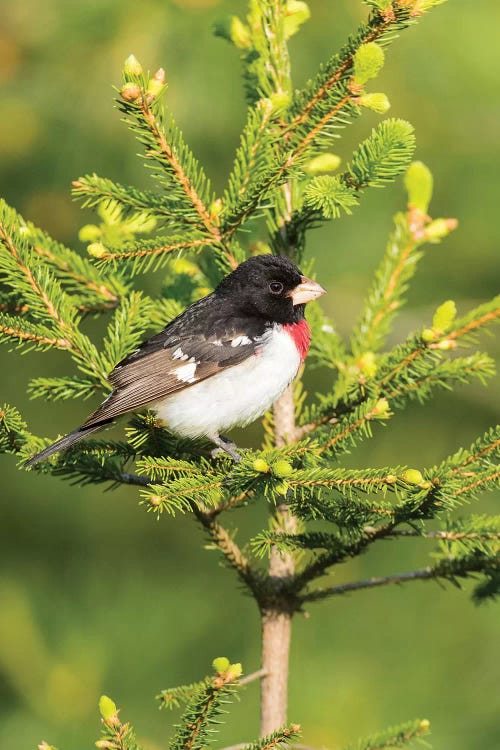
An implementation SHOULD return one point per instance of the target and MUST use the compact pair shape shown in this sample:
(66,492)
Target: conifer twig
(170,156)
(233,554)
(448,568)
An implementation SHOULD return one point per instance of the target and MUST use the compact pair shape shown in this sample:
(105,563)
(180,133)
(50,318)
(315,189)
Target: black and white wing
(168,363)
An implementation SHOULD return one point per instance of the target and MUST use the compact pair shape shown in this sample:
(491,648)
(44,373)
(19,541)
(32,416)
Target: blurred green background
(95,595)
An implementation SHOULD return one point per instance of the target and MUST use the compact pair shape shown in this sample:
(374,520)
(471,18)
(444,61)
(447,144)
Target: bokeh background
(95,595)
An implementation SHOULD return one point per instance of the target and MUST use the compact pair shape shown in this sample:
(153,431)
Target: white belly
(236,396)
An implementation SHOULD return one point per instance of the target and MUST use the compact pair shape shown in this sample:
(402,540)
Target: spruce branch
(183,494)
(447,374)
(281,738)
(146,255)
(406,361)
(166,148)
(391,282)
(126,329)
(115,735)
(201,716)
(327,346)
(254,579)
(382,156)
(256,148)
(30,335)
(174,697)
(14,432)
(62,389)
(93,190)
(76,275)
(449,569)
(350,428)
(399,736)
(482,452)
(326,104)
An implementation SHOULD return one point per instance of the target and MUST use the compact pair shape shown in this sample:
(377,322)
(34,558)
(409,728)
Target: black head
(269,287)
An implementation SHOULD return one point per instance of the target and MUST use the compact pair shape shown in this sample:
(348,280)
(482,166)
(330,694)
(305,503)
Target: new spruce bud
(425,725)
(381,409)
(412,476)
(429,334)
(131,92)
(234,30)
(107,707)
(235,671)
(279,101)
(377,102)
(444,316)
(216,208)
(368,60)
(367,363)
(322,164)
(419,184)
(419,7)
(97,250)
(89,233)
(446,345)
(132,66)
(282,468)
(156,83)
(296,13)
(439,228)
(221,664)
(261,466)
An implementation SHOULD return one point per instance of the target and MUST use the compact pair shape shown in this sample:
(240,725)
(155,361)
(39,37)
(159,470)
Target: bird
(219,364)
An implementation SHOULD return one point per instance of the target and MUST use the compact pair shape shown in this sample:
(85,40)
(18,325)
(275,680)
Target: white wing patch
(240,341)
(179,354)
(186,372)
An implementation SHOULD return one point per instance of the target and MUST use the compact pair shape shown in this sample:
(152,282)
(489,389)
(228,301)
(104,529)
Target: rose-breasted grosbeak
(219,364)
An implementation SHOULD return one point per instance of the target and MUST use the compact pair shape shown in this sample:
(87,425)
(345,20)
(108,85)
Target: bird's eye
(275,287)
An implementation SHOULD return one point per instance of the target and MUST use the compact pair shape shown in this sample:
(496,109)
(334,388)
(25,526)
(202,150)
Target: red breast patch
(301,335)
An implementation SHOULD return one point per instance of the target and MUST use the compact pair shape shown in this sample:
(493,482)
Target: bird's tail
(65,442)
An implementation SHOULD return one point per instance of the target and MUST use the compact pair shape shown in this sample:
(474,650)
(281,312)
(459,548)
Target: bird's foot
(224,446)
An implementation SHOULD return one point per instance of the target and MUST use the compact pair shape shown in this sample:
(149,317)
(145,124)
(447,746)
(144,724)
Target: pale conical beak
(306,291)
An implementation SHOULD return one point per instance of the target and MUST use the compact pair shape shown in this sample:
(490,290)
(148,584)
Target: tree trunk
(277,616)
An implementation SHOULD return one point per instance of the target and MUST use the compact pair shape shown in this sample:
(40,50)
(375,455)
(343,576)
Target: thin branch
(252,677)
(473,325)
(414,575)
(349,429)
(451,536)
(476,456)
(183,179)
(148,252)
(477,483)
(222,539)
(99,288)
(22,335)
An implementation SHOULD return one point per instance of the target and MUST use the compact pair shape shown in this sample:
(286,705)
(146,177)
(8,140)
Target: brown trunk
(276,633)
(277,617)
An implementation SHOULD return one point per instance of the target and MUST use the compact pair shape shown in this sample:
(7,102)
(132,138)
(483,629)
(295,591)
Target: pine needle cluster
(286,173)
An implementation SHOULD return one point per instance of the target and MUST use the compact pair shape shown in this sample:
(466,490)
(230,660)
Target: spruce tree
(316,513)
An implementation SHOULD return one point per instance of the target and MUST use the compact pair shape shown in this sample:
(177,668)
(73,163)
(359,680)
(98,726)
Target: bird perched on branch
(219,364)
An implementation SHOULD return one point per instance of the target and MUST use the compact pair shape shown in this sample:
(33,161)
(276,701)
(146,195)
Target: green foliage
(400,736)
(330,196)
(382,156)
(279,172)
